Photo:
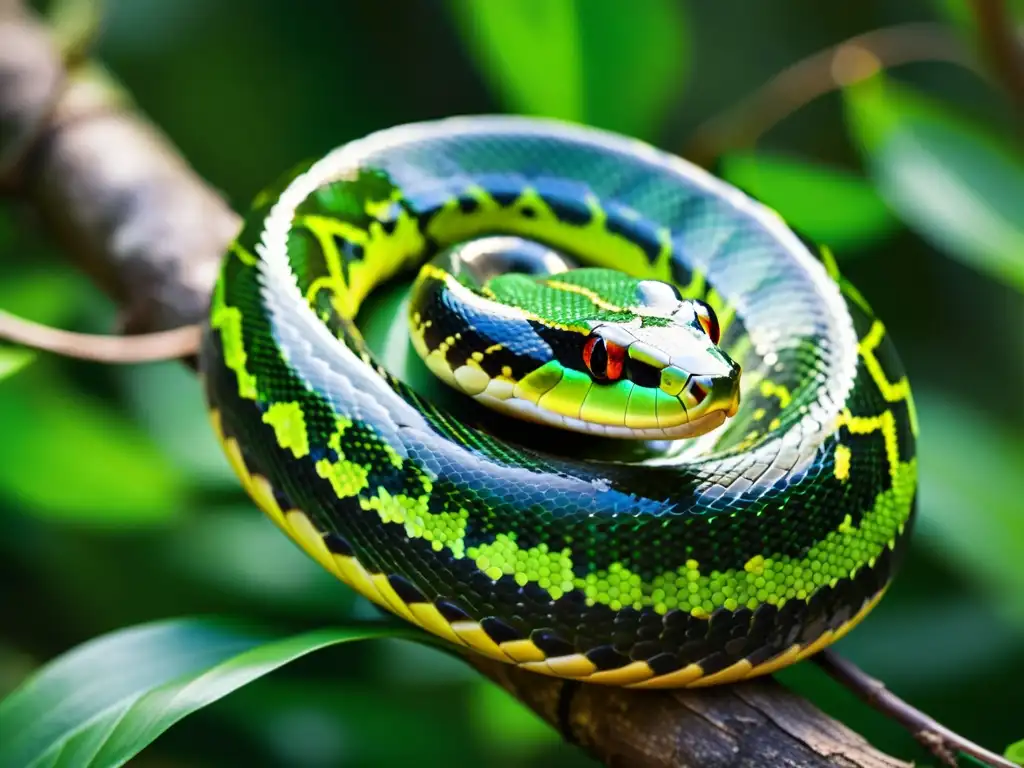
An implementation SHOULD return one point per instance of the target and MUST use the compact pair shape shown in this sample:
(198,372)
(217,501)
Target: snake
(670,445)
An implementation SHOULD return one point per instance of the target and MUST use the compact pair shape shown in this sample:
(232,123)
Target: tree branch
(935,737)
(181,342)
(132,214)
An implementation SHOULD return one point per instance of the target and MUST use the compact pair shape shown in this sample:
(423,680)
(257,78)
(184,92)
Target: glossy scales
(715,560)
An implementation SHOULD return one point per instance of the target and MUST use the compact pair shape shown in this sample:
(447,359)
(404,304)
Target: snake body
(691,562)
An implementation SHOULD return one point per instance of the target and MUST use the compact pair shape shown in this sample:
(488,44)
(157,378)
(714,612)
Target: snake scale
(769,491)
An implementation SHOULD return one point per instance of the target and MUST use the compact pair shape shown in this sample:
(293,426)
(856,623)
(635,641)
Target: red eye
(708,320)
(604,359)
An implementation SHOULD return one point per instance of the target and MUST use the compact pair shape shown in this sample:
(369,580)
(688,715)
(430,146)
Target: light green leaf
(832,206)
(1015,752)
(581,60)
(13,359)
(957,186)
(65,455)
(103,702)
(970,496)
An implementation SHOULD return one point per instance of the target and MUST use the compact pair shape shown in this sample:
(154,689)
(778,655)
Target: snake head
(660,371)
(589,350)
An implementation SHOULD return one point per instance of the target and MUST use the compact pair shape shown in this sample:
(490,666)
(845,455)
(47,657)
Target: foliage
(119,510)
(101,703)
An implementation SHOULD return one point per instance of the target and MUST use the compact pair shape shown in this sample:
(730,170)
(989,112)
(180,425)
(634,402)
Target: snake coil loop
(706,560)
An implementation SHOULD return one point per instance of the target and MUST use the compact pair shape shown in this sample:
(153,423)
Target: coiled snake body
(718,552)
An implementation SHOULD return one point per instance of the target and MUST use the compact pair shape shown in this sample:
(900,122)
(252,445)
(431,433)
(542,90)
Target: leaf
(13,359)
(1015,752)
(830,205)
(65,455)
(957,186)
(970,495)
(103,702)
(581,61)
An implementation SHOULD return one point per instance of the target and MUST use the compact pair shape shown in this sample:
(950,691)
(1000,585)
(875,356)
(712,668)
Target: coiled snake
(567,279)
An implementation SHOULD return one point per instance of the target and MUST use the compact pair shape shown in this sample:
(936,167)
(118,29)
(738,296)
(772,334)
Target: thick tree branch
(131,213)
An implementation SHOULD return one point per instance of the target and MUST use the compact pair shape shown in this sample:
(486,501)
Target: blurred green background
(117,507)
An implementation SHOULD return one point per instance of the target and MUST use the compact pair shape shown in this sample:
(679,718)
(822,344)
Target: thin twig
(1000,43)
(935,737)
(142,348)
(820,73)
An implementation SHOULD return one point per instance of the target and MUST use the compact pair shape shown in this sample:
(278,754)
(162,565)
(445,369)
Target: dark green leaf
(830,205)
(582,61)
(103,702)
(957,186)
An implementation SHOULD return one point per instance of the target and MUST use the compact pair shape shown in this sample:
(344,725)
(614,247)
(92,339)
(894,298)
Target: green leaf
(970,495)
(13,359)
(955,184)
(103,702)
(65,455)
(830,205)
(579,60)
(1015,752)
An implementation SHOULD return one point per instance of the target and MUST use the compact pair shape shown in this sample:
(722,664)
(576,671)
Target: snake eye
(708,320)
(603,359)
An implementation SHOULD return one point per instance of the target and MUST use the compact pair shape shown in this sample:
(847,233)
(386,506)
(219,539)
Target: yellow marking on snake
(473,635)
(843,455)
(466,295)
(634,672)
(384,254)
(431,619)
(770,389)
(884,423)
(587,293)
(289,427)
(603,247)
(681,678)
(228,320)
(892,391)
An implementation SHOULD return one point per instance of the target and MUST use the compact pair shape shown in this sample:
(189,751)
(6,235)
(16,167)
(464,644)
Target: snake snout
(705,394)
